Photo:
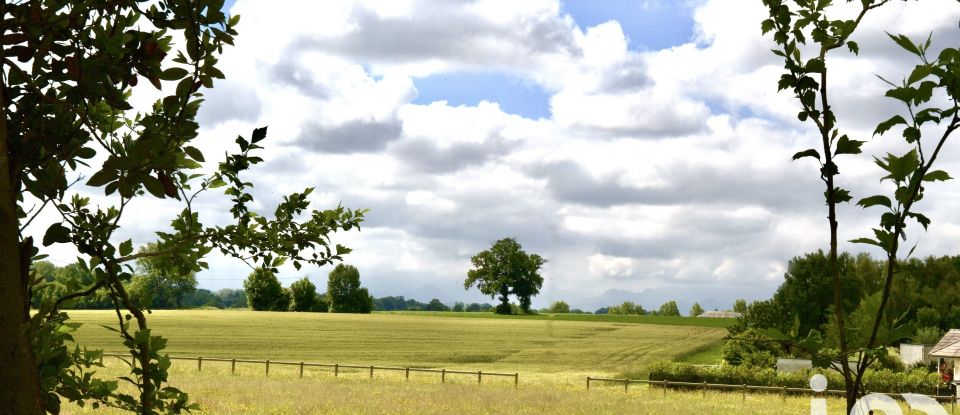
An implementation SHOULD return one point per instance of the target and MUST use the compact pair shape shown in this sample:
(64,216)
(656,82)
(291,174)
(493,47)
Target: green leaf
(807,153)
(101,178)
(853,47)
(126,247)
(194,153)
(839,195)
(921,219)
(847,146)
(904,94)
(937,175)
(919,72)
(867,241)
(56,234)
(906,44)
(86,153)
(154,186)
(259,134)
(875,201)
(888,124)
(173,74)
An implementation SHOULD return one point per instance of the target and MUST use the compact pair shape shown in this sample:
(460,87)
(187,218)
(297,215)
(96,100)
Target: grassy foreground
(418,340)
(605,318)
(282,392)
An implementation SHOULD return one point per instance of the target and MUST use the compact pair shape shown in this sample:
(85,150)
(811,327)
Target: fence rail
(335,366)
(743,388)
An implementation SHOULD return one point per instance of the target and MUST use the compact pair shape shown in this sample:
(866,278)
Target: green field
(552,355)
(251,392)
(526,345)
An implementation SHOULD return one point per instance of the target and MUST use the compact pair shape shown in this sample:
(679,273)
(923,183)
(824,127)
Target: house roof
(948,346)
(720,314)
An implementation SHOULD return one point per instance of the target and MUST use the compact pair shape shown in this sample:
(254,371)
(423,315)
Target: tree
(232,298)
(160,280)
(436,305)
(794,23)
(304,295)
(264,292)
(506,269)
(628,307)
(65,106)
(559,307)
(458,307)
(670,308)
(696,310)
(345,293)
(740,306)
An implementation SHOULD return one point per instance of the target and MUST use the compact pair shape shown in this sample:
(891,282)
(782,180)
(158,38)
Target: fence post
(443,375)
(371,371)
(704,392)
(408,373)
(516,379)
(665,383)
(336,369)
(101,359)
(588,382)
(301,369)
(233,366)
(744,391)
(199,363)
(626,383)
(479,376)
(268,367)
(784,393)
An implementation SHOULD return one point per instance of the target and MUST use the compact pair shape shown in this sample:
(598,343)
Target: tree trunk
(19,381)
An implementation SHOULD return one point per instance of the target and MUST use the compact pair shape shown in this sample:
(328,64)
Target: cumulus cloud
(664,168)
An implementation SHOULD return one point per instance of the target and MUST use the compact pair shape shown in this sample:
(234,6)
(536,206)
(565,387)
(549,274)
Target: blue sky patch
(658,26)
(514,95)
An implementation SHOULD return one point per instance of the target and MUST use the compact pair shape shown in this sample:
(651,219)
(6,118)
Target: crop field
(251,392)
(539,345)
(553,357)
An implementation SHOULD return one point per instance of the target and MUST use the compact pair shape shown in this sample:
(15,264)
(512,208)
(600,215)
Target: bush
(883,381)
(559,307)
(503,309)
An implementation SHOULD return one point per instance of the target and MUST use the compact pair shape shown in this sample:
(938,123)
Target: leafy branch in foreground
(67,71)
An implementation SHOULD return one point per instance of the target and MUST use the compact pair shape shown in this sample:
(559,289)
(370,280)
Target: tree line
(922,305)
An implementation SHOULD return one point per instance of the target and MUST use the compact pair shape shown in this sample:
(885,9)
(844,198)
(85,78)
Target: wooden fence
(334,366)
(744,389)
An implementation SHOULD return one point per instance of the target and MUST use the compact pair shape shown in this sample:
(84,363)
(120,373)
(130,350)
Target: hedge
(883,381)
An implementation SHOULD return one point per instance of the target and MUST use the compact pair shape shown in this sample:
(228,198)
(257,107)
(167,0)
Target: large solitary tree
(345,293)
(68,131)
(506,269)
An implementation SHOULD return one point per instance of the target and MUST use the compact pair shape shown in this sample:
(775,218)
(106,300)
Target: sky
(640,146)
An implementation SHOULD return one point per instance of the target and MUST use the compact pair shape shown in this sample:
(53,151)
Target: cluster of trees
(344,293)
(922,305)
(148,288)
(668,308)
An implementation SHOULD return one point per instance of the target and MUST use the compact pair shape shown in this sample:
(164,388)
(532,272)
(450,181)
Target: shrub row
(884,381)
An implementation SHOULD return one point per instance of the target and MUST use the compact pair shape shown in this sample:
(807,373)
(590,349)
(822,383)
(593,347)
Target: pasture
(538,345)
(553,357)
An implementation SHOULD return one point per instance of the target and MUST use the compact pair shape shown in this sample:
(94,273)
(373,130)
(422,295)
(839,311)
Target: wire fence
(336,367)
(744,389)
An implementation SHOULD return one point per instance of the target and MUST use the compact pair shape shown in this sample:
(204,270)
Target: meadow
(432,340)
(552,355)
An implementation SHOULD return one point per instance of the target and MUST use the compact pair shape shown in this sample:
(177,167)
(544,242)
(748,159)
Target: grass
(282,392)
(553,357)
(707,354)
(524,345)
(606,318)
